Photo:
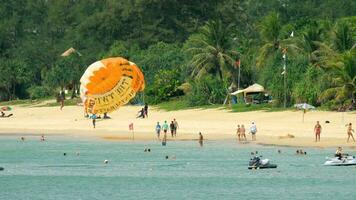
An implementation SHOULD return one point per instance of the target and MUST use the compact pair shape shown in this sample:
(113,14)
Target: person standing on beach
(171,127)
(242,132)
(253,131)
(238,132)
(201,138)
(349,132)
(175,127)
(158,130)
(317,131)
(61,99)
(93,117)
(146,110)
(165,127)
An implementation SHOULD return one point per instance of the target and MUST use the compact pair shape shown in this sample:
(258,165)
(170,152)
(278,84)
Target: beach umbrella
(109,84)
(6,108)
(304,107)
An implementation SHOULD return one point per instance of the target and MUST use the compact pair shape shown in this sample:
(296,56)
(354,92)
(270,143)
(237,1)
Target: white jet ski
(346,160)
(257,163)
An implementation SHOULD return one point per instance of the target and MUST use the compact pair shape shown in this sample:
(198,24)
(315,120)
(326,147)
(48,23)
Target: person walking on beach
(158,130)
(146,110)
(201,138)
(175,127)
(238,132)
(165,127)
(171,127)
(349,132)
(61,99)
(253,131)
(317,131)
(93,117)
(242,132)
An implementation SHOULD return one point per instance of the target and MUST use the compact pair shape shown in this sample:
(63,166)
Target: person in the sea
(171,127)
(238,132)
(42,138)
(349,132)
(175,127)
(201,139)
(339,153)
(158,130)
(164,140)
(317,131)
(22,139)
(165,127)
(253,130)
(146,109)
(242,132)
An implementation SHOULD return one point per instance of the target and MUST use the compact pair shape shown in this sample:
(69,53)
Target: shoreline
(215,124)
(262,141)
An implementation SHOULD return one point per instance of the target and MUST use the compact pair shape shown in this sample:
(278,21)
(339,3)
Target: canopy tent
(255,88)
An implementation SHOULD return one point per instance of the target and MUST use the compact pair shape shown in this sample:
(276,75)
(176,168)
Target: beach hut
(252,89)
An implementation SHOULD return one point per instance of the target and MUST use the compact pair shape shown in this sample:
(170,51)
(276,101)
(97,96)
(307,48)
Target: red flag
(131,128)
(238,63)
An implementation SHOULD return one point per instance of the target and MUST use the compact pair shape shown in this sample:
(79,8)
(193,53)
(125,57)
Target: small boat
(1,168)
(346,160)
(258,163)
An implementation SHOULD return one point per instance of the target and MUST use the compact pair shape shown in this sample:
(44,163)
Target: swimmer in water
(201,138)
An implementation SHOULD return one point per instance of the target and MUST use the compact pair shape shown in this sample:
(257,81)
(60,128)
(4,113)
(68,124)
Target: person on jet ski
(339,153)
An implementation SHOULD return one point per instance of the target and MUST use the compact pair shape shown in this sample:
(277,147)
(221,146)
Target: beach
(215,124)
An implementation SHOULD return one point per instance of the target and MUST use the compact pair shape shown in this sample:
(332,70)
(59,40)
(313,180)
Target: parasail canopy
(110,83)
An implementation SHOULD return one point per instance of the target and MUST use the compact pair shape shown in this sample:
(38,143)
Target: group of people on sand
(241,132)
(318,129)
(173,126)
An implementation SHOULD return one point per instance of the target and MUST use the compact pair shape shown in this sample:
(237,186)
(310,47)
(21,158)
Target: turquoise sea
(37,170)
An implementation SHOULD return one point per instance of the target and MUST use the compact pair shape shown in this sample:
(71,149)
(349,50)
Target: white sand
(215,124)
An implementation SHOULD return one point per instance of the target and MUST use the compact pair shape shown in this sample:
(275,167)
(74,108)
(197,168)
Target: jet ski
(345,160)
(258,163)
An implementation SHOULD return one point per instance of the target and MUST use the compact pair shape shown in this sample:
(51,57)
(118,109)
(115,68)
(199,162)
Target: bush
(206,90)
(38,92)
(164,87)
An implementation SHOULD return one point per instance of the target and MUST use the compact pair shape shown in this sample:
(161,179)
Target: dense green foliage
(196,42)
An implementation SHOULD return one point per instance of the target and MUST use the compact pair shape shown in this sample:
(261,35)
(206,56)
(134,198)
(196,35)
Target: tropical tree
(273,37)
(211,50)
(342,75)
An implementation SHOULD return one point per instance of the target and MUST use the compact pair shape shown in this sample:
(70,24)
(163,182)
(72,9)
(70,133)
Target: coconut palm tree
(211,50)
(342,74)
(272,38)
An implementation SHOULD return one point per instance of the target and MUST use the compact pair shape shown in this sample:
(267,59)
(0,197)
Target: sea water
(37,170)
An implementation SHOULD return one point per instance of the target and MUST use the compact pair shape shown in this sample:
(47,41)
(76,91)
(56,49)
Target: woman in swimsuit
(317,131)
(349,132)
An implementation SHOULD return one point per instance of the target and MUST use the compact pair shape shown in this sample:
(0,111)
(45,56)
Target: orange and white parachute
(110,83)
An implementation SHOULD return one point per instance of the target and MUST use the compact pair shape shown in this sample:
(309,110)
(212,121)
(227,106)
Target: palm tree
(342,69)
(272,37)
(212,50)
(342,37)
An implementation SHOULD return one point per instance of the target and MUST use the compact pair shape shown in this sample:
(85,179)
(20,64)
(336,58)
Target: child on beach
(158,130)
(242,132)
(238,132)
(317,131)
(349,132)
(201,139)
